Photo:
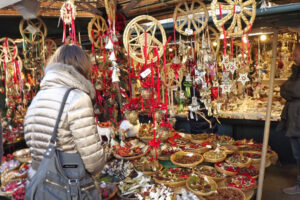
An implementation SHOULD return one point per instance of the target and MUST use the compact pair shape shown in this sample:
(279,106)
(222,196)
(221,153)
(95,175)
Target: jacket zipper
(56,184)
(87,187)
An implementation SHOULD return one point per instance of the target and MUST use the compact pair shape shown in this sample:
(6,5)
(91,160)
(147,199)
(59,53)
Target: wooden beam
(45,13)
(130,6)
(90,8)
(5,3)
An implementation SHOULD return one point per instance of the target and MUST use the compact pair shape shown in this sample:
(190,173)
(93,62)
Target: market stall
(161,94)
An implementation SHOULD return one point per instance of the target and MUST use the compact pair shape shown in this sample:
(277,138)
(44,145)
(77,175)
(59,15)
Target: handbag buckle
(73,181)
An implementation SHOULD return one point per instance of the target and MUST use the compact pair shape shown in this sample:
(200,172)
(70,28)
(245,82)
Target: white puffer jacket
(77,130)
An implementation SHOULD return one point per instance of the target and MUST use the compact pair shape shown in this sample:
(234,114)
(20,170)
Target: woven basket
(182,153)
(246,189)
(163,157)
(217,179)
(239,164)
(254,160)
(273,156)
(213,160)
(22,155)
(235,189)
(228,173)
(229,149)
(124,198)
(151,173)
(127,158)
(170,184)
(199,141)
(211,182)
(200,150)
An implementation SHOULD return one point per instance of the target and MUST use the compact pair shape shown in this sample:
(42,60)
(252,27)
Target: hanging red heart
(215,92)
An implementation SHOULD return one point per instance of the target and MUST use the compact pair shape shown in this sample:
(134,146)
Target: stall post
(268,117)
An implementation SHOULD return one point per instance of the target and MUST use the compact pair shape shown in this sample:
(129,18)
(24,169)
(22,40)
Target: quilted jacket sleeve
(83,127)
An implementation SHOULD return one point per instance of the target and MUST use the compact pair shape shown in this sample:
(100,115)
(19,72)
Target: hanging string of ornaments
(67,15)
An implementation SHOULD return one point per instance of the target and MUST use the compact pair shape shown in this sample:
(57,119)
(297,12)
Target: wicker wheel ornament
(134,37)
(8,49)
(68,12)
(49,48)
(110,7)
(214,37)
(194,14)
(241,13)
(33,30)
(171,82)
(99,27)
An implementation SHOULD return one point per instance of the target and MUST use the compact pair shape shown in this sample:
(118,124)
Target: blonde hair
(75,56)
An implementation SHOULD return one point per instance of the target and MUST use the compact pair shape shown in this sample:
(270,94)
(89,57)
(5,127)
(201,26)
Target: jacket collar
(58,74)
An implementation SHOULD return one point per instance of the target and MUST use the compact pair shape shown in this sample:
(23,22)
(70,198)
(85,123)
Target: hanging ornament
(188,84)
(68,12)
(219,105)
(181,101)
(116,72)
(194,107)
(225,61)
(243,78)
(109,45)
(232,67)
(112,56)
(226,88)
(212,69)
(225,77)
(199,77)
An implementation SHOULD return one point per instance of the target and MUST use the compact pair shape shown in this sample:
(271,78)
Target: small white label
(33,30)
(208,146)
(145,73)
(189,31)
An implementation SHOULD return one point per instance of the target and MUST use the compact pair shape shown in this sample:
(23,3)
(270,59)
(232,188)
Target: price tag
(33,30)
(189,31)
(145,73)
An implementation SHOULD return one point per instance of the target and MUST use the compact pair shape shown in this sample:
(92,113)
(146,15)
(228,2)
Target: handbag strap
(54,134)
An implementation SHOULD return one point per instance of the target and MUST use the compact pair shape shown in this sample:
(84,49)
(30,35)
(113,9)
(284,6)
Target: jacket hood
(58,74)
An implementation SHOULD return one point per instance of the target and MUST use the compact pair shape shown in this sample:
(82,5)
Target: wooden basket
(211,182)
(213,160)
(182,153)
(170,184)
(228,173)
(217,179)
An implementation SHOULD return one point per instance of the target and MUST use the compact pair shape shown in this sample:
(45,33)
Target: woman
(77,132)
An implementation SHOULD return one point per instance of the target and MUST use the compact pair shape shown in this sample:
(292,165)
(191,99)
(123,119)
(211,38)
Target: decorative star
(226,88)
(225,60)
(243,78)
(232,67)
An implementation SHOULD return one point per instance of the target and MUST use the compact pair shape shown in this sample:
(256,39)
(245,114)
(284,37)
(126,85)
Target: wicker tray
(255,160)
(151,173)
(211,182)
(217,179)
(128,158)
(245,189)
(170,184)
(273,156)
(228,173)
(182,153)
(235,189)
(239,164)
(213,160)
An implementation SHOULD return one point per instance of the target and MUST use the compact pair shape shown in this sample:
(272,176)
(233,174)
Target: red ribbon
(93,43)
(176,67)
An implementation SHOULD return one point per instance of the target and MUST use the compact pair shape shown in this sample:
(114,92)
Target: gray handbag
(61,176)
